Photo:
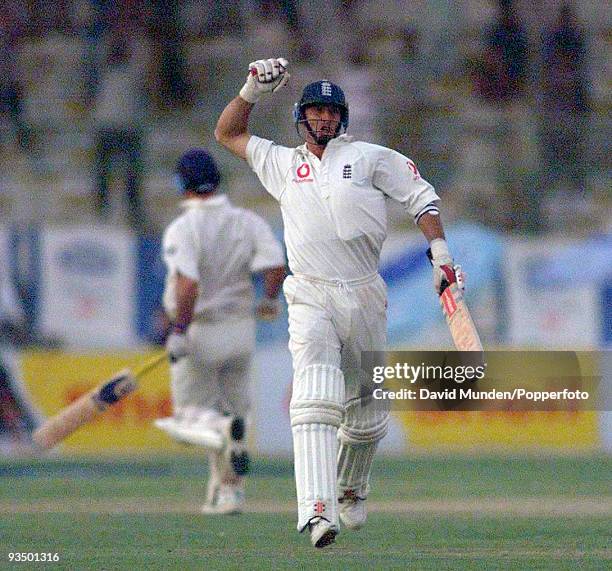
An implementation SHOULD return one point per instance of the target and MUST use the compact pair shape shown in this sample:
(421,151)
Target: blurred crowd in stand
(507,80)
(492,98)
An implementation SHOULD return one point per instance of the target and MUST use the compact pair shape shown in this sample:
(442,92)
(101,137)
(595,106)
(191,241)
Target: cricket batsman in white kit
(332,193)
(211,251)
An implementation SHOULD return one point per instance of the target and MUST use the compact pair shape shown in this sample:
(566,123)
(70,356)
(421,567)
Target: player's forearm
(234,119)
(186,295)
(232,126)
(273,281)
(431,226)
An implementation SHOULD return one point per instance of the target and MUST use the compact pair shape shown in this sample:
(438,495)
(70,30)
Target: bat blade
(92,404)
(67,421)
(462,328)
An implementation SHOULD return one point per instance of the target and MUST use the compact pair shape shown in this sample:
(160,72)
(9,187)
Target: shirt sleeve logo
(347,171)
(414,169)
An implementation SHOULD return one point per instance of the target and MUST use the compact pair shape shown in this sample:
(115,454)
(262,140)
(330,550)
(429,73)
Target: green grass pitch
(427,513)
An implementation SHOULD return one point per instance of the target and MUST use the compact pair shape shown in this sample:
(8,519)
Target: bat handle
(149,365)
(444,283)
(430,256)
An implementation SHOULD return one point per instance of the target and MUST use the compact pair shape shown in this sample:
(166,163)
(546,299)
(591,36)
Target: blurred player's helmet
(322,92)
(197,172)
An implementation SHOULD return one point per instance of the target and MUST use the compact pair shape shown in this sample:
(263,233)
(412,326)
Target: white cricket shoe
(322,532)
(191,431)
(353,511)
(226,500)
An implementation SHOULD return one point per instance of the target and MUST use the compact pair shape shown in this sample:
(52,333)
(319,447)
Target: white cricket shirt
(219,246)
(334,209)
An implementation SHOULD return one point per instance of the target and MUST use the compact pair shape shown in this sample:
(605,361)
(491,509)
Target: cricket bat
(460,322)
(92,404)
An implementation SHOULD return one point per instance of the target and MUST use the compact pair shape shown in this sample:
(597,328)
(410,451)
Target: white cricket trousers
(215,376)
(330,324)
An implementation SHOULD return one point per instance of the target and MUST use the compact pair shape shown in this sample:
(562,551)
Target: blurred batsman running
(332,193)
(211,251)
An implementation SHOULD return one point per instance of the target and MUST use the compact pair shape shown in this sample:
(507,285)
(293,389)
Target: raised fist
(265,76)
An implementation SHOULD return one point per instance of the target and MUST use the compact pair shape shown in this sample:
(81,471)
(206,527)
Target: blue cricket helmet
(197,172)
(322,92)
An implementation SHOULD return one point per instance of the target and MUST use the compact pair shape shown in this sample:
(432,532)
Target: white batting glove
(265,76)
(444,271)
(268,309)
(177,346)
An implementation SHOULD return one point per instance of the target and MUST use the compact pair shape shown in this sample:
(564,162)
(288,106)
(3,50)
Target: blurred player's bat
(92,404)
(460,323)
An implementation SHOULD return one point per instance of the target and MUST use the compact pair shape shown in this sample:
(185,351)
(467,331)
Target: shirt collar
(340,140)
(212,202)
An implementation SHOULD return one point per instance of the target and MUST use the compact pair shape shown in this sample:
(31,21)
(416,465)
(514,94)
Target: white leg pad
(354,466)
(316,410)
(364,426)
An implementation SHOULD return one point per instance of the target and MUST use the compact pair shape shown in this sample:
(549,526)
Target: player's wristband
(249,92)
(439,249)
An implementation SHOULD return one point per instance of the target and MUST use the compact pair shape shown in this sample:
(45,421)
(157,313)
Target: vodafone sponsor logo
(303,173)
